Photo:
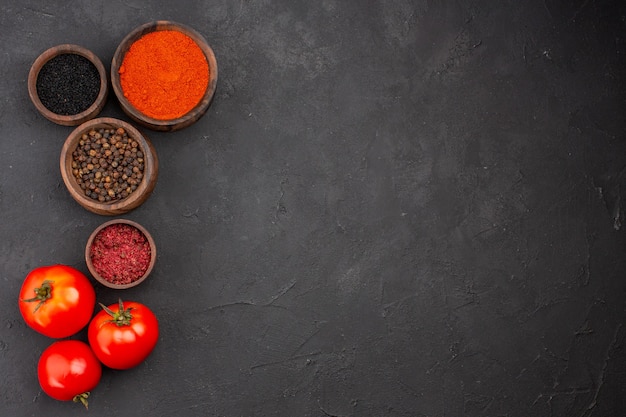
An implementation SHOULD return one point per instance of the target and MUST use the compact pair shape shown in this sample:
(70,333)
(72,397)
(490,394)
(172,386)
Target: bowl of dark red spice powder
(120,254)
(164,75)
(108,166)
(68,84)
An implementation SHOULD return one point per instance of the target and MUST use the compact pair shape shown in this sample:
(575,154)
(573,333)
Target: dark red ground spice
(120,253)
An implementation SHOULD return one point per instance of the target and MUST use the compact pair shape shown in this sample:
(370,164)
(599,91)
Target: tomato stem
(120,318)
(82,398)
(41,294)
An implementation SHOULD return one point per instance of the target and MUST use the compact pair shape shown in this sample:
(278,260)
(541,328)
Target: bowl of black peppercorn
(108,166)
(68,84)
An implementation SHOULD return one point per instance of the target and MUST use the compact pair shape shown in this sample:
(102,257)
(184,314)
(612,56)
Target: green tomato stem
(122,317)
(82,398)
(42,294)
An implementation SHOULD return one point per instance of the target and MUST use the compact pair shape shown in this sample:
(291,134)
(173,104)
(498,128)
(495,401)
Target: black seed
(68,84)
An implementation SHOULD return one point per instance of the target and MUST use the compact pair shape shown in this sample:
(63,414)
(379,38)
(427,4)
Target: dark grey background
(392,208)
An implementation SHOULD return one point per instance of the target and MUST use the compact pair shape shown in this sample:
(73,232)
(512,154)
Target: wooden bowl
(75,119)
(156,124)
(95,272)
(119,206)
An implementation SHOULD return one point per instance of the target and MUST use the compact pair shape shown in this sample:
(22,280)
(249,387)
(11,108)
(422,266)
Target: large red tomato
(123,335)
(57,301)
(68,370)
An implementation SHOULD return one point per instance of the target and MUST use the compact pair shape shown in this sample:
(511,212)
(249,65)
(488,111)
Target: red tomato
(123,335)
(68,370)
(57,301)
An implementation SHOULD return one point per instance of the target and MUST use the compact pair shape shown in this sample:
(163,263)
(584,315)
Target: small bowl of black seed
(108,166)
(68,84)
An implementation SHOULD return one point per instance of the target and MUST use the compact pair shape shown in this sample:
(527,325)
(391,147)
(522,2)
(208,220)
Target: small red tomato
(57,301)
(123,335)
(68,370)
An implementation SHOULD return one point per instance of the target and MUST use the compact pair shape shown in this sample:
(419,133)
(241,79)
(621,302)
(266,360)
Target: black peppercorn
(107,176)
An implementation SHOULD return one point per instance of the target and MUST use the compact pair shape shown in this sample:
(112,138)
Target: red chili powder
(164,74)
(120,253)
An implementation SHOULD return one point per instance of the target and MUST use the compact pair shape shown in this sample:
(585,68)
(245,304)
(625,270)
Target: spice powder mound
(120,253)
(164,74)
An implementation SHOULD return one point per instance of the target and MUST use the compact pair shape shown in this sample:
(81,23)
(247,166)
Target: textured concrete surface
(392,208)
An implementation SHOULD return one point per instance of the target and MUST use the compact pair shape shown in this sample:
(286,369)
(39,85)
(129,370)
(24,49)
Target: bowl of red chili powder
(120,254)
(68,84)
(164,75)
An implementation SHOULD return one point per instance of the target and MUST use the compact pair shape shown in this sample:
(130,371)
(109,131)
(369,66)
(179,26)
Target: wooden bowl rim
(195,113)
(126,204)
(94,272)
(74,119)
